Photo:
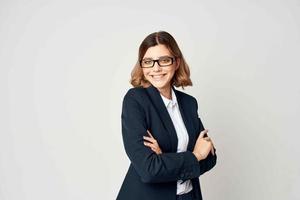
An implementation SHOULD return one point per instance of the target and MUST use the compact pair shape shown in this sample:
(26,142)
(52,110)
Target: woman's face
(159,77)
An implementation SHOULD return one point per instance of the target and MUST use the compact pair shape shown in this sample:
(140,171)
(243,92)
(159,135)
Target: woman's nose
(156,67)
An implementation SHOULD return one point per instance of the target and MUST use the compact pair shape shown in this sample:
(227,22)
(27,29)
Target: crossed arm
(206,162)
(153,167)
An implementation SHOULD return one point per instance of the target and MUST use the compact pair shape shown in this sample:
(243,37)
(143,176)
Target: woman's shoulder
(136,93)
(188,100)
(186,96)
(135,90)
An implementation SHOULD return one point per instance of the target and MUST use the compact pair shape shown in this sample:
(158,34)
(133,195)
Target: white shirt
(182,135)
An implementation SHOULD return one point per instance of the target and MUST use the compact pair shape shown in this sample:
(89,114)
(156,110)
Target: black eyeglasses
(162,62)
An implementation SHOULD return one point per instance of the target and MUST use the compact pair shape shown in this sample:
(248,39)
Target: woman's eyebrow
(147,58)
(158,57)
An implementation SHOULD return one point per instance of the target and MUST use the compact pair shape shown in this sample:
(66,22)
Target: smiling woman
(160,45)
(159,72)
(163,135)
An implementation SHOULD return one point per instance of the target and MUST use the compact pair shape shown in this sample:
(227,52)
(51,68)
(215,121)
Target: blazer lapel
(166,119)
(164,115)
(188,123)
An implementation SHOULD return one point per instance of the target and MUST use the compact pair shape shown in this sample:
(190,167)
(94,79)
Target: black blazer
(151,176)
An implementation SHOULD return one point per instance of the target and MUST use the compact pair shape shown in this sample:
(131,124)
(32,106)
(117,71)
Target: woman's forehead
(157,52)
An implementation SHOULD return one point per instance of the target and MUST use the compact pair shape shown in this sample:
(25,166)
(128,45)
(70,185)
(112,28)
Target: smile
(157,77)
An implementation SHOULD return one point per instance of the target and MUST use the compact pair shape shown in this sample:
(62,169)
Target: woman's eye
(147,61)
(166,60)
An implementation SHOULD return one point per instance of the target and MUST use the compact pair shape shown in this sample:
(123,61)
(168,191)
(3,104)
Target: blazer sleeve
(151,167)
(210,161)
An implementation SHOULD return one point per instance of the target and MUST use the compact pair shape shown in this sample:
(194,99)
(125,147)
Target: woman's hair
(181,76)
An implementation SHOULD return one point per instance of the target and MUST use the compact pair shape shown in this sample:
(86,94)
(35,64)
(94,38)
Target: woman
(162,134)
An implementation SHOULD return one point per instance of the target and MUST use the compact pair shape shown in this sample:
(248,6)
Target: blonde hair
(182,74)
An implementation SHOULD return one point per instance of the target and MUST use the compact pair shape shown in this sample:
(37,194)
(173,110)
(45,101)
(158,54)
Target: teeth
(157,77)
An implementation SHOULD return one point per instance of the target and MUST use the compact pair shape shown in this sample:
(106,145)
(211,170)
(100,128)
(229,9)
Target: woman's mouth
(158,77)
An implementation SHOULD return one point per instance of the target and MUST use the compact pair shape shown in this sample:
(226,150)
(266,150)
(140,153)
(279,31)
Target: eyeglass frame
(157,60)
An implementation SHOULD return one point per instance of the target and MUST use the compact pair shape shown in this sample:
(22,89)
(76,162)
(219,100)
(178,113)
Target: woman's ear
(177,63)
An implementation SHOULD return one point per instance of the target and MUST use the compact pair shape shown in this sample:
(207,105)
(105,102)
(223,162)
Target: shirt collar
(169,102)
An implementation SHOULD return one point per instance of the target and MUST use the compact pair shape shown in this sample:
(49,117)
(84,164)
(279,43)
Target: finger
(212,143)
(202,133)
(156,151)
(151,145)
(150,133)
(152,139)
(147,144)
(213,150)
(149,139)
(154,148)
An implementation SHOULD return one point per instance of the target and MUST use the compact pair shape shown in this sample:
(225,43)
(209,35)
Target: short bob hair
(181,76)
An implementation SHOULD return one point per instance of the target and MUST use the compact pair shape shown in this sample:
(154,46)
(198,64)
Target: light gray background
(65,66)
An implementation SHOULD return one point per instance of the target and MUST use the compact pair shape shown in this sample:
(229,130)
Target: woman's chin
(159,85)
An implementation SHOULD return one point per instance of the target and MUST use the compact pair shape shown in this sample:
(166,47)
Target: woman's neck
(166,92)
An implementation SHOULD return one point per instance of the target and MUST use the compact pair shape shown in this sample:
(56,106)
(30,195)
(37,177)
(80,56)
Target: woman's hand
(203,146)
(152,143)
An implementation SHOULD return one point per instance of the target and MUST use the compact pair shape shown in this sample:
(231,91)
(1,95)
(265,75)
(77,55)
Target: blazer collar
(158,103)
(169,102)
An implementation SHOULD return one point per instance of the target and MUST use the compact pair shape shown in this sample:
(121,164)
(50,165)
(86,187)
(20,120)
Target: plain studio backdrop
(65,67)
